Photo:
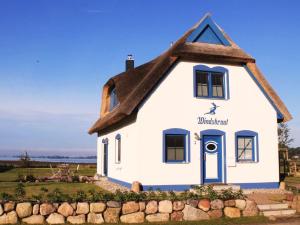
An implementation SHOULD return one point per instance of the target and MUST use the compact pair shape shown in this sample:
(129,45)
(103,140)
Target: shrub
(80,196)
(30,178)
(6,197)
(20,191)
(75,178)
(57,196)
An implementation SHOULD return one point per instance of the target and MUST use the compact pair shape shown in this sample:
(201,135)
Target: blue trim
(201,30)
(255,144)
(279,114)
(123,183)
(182,187)
(177,131)
(221,166)
(210,70)
(267,185)
(171,187)
(105,158)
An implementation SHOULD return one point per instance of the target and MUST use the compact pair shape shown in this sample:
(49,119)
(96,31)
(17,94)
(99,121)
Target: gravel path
(111,186)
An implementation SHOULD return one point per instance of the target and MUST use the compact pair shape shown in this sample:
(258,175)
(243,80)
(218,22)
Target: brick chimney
(129,62)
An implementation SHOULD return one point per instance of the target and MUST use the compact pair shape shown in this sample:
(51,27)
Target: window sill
(244,162)
(177,162)
(212,98)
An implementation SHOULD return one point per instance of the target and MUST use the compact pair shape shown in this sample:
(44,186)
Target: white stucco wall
(126,169)
(172,105)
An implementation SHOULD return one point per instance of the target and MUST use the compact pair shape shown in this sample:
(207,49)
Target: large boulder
(130,207)
(46,209)
(240,203)
(165,206)
(95,218)
(151,207)
(204,204)
(190,214)
(142,206)
(232,212)
(82,208)
(34,219)
(158,217)
(65,209)
(113,204)
(136,187)
(217,204)
(97,207)
(215,213)
(250,209)
(192,202)
(9,218)
(137,217)
(229,203)
(79,219)
(35,209)
(178,205)
(9,206)
(24,209)
(55,218)
(177,216)
(111,215)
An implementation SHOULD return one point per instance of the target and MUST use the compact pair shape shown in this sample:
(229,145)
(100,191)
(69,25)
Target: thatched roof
(134,85)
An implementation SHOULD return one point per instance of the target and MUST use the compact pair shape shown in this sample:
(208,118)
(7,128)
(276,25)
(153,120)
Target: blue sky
(55,55)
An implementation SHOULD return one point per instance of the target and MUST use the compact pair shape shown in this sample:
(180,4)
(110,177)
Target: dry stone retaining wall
(127,212)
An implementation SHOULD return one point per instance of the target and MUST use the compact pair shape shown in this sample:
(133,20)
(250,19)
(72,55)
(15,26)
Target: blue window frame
(113,100)
(246,146)
(176,145)
(211,82)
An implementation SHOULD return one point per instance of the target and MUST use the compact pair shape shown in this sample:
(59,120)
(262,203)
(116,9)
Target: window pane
(241,142)
(217,84)
(170,154)
(113,99)
(119,150)
(248,143)
(202,83)
(248,154)
(175,145)
(180,154)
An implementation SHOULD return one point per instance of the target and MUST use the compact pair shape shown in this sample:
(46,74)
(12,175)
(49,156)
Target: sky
(55,56)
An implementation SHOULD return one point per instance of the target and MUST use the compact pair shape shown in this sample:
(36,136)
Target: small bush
(6,197)
(20,191)
(57,196)
(80,196)
(30,178)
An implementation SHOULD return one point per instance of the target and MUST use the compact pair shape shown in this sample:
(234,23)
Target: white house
(200,113)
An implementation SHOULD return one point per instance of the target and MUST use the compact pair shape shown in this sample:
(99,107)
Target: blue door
(105,159)
(212,158)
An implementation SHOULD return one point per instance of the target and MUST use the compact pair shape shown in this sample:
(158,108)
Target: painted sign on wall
(212,121)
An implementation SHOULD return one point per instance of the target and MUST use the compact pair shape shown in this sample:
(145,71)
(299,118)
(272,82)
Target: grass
(222,221)
(35,188)
(13,174)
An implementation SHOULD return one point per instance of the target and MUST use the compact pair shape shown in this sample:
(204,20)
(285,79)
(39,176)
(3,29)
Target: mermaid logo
(212,110)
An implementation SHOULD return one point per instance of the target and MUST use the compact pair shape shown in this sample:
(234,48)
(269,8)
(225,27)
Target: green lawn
(35,188)
(13,174)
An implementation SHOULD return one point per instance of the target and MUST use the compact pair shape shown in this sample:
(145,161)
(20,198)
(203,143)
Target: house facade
(200,113)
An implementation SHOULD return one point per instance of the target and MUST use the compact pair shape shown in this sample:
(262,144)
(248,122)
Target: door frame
(222,134)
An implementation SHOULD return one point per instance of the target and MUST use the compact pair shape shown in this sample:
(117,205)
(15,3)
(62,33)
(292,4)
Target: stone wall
(127,212)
